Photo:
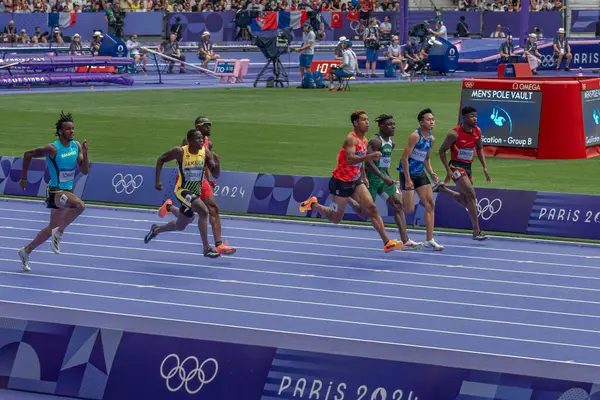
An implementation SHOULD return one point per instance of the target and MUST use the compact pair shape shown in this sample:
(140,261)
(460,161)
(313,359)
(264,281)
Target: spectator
(462,28)
(133,46)
(307,49)
(56,36)
(75,48)
(23,38)
(562,49)
(507,49)
(38,37)
(346,70)
(386,27)
(96,43)
(498,32)
(440,29)
(171,48)
(205,50)
(395,55)
(10,32)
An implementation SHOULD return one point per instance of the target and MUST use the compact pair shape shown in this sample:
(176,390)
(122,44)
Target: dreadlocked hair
(63,118)
(382,118)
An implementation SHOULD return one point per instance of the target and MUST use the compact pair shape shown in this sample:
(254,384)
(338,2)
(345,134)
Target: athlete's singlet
(349,173)
(464,148)
(62,166)
(386,158)
(416,160)
(190,171)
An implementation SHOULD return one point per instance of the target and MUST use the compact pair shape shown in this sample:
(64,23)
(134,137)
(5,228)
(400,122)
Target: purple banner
(221,25)
(106,364)
(498,209)
(584,20)
(547,21)
(38,178)
(565,215)
(451,20)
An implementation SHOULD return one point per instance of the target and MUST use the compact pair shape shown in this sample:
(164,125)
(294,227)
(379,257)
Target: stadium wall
(511,211)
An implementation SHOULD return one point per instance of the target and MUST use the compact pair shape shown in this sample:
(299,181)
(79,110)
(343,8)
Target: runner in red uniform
(207,195)
(463,142)
(349,181)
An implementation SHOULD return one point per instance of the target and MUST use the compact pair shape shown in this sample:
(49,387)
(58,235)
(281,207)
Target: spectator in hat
(23,38)
(532,54)
(307,49)
(205,50)
(562,49)
(96,43)
(346,70)
(57,36)
(338,53)
(75,48)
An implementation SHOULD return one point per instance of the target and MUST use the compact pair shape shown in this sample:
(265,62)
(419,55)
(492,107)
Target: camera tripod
(278,70)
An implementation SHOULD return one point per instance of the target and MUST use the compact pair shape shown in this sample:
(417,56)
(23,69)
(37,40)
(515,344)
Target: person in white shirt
(134,51)
(395,55)
(440,29)
(346,69)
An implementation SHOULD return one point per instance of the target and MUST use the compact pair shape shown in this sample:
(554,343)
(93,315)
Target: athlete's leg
(362,195)
(56,214)
(199,207)
(396,202)
(334,213)
(465,187)
(456,196)
(215,222)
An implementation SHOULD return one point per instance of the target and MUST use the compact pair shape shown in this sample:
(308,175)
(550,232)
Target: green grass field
(286,131)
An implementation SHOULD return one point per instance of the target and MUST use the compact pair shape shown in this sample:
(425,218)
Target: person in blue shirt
(63,156)
(415,161)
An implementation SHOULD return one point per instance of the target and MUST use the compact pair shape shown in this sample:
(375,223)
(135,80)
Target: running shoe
(392,245)
(480,236)
(211,253)
(150,235)
(432,244)
(56,238)
(437,186)
(24,260)
(307,205)
(165,208)
(412,245)
(225,250)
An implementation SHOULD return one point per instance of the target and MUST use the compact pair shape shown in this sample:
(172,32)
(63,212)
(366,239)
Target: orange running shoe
(392,245)
(224,249)
(307,205)
(164,209)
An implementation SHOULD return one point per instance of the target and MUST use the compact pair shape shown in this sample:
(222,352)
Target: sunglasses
(204,124)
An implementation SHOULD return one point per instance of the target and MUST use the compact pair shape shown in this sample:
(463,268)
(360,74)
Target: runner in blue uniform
(62,156)
(415,161)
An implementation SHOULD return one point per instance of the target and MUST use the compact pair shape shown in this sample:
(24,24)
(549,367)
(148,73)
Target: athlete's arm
(213,163)
(479,147)
(448,142)
(351,157)
(373,146)
(82,159)
(46,151)
(413,139)
(176,153)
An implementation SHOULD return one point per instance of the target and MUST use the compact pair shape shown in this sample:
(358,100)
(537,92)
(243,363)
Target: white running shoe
(24,259)
(412,245)
(432,244)
(55,243)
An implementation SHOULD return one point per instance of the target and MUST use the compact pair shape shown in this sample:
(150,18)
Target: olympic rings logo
(126,183)
(486,209)
(548,60)
(469,84)
(185,378)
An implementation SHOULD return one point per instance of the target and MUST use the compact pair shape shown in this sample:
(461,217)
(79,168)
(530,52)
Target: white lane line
(287,332)
(331,320)
(404,261)
(400,273)
(309,289)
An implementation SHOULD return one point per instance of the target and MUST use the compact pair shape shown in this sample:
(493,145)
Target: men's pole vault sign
(508,112)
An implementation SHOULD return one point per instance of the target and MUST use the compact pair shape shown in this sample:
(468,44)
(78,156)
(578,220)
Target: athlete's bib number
(419,155)
(194,175)
(465,154)
(385,162)
(456,174)
(67,176)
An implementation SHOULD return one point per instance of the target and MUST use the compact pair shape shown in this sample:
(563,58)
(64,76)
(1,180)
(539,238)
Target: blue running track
(522,302)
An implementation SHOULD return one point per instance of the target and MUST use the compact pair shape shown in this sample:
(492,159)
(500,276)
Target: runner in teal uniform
(62,156)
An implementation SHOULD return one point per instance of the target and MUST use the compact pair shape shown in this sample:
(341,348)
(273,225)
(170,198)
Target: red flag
(336,19)
(353,16)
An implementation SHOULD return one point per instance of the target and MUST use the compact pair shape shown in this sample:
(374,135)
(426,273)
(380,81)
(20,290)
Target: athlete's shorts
(206,190)
(306,60)
(186,198)
(51,196)
(418,180)
(460,169)
(343,189)
(378,187)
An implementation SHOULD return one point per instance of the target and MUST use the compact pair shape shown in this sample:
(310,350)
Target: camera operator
(114,18)
(307,49)
(346,70)
(176,29)
(371,40)
(440,29)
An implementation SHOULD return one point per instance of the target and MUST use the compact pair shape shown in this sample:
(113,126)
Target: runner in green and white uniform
(380,182)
